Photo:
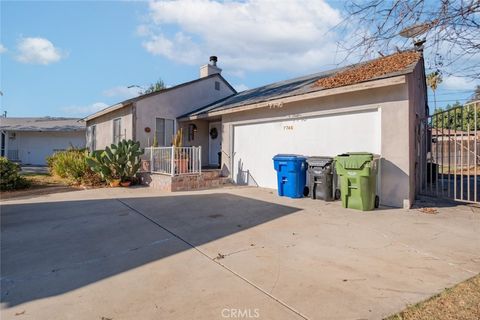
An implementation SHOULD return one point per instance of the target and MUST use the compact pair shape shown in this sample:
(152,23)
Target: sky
(72,58)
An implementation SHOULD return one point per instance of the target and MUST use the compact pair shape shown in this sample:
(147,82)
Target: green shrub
(72,165)
(10,178)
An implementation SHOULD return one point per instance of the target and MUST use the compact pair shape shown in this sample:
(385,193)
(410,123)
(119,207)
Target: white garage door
(35,147)
(255,144)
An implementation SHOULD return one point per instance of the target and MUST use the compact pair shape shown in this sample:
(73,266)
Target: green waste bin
(358,180)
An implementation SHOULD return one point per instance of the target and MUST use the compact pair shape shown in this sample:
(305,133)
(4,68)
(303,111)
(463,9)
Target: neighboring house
(30,141)
(374,107)
(156,113)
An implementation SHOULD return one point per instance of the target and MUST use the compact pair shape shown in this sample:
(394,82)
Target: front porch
(178,169)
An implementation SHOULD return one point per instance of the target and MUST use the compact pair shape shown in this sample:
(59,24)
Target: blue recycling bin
(291,174)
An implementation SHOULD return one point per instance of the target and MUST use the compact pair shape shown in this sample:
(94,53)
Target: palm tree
(433,80)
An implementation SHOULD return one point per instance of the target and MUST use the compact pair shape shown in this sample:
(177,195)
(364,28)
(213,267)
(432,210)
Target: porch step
(200,182)
(206,180)
(211,174)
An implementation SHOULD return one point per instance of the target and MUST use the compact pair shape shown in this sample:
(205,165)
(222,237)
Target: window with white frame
(117,130)
(164,130)
(92,138)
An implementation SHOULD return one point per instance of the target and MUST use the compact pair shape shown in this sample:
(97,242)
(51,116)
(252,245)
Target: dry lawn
(41,183)
(461,302)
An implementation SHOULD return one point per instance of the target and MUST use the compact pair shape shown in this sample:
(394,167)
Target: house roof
(380,68)
(45,124)
(147,95)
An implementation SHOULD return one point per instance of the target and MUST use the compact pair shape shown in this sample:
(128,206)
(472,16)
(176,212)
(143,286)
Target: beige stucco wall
(200,137)
(395,184)
(169,105)
(175,103)
(104,126)
(417,105)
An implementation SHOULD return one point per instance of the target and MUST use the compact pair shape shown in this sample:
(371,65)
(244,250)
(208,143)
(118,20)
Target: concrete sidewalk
(228,253)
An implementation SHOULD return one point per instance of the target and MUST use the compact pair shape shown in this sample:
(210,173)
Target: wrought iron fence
(449,154)
(174,160)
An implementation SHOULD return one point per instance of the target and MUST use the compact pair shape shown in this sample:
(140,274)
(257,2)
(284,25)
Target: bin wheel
(306,191)
(338,194)
(377,201)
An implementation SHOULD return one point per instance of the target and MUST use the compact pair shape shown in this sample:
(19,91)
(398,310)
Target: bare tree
(476,93)
(452,29)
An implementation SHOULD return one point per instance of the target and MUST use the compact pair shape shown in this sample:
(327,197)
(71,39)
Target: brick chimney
(210,68)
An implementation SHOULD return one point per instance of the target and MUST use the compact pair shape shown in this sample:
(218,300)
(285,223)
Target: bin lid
(319,161)
(354,160)
(289,157)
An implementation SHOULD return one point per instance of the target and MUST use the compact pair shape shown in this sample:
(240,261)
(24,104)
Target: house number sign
(275,105)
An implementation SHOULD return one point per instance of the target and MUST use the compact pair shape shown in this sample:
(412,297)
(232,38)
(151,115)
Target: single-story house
(30,141)
(373,106)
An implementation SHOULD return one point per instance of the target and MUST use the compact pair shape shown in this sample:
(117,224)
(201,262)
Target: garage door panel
(255,144)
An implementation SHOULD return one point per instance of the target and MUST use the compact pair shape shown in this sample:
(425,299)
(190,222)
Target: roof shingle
(46,124)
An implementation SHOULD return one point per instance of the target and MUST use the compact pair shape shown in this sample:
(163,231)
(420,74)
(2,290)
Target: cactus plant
(119,161)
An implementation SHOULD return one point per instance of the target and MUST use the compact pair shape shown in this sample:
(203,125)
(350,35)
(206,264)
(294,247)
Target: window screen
(164,129)
(117,130)
(169,131)
(92,138)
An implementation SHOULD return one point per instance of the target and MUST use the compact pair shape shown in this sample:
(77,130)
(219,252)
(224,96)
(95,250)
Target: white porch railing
(173,160)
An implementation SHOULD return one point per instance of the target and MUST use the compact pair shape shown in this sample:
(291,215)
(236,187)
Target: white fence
(173,160)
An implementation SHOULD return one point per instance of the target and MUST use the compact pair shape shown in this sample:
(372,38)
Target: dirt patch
(41,184)
(461,302)
(369,70)
(428,210)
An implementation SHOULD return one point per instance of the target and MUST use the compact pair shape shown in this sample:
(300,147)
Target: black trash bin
(321,178)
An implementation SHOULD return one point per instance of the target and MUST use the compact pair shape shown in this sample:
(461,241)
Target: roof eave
(100,113)
(372,84)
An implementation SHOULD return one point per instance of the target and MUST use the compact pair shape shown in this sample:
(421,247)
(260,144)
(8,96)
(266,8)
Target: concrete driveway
(233,253)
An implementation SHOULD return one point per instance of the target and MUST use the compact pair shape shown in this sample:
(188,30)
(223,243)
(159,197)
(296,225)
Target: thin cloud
(122,92)
(85,110)
(459,83)
(240,87)
(2,48)
(37,51)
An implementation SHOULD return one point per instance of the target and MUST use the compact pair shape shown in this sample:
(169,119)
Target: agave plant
(119,161)
(177,139)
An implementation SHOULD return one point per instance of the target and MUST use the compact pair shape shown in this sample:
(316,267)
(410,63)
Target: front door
(214,142)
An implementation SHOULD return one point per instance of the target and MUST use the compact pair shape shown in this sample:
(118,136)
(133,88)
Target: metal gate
(449,154)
